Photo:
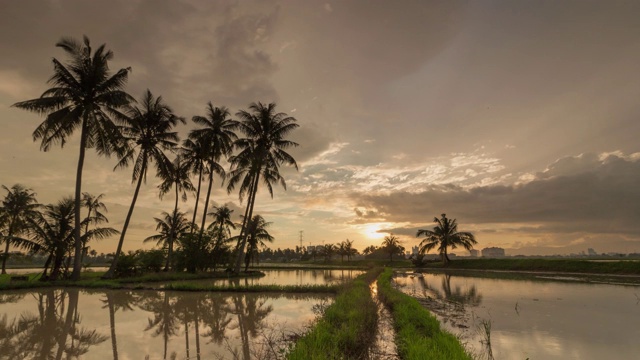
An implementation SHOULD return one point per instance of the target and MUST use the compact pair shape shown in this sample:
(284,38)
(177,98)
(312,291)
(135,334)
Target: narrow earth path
(384,347)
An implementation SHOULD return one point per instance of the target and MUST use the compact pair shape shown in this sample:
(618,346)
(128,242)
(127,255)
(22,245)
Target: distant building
(592,252)
(492,252)
(473,253)
(414,251)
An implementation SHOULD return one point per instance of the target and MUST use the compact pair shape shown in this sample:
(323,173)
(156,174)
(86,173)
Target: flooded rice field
(126,324)
(532,319)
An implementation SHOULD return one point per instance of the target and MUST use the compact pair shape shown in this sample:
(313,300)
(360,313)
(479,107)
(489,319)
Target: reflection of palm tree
(445,234)
(250,313)
(164,320)
(470,296)
(116,300)
(148,128)
(83,96)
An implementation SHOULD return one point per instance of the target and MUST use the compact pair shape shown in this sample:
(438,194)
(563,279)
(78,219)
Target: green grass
(418,333)
(346,329)
(548,265)
(92,279)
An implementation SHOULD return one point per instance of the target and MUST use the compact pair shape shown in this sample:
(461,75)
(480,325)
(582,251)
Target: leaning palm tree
(19,205)
(194,154)
(216,136)
(262,151)
(149,127)
(84,96)
(257,235)
(445,234)
(176,176)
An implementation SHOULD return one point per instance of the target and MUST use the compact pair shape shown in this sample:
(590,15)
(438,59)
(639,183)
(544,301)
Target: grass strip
(622,267)
(254,288)
(418,333)
(345,330)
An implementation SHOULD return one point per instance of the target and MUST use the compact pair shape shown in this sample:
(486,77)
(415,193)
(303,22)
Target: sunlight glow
(371,231)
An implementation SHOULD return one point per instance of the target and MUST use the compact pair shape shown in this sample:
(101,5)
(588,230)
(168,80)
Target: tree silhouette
(18,207)
(262,151)
(216,137)
(257,235)
(149,128)
(391,245)
(194,154)
(171,226)
(177,176)
(445,234)
(84,96)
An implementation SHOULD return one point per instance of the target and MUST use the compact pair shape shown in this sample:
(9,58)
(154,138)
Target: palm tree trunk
(252,197)
(206,205)
(77,266)
(110,273)
(112,325)
(195,209)
(6,254)
(197,325)
(172,233)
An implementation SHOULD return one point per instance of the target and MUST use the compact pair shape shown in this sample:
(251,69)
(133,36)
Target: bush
(151,260)
(127,265)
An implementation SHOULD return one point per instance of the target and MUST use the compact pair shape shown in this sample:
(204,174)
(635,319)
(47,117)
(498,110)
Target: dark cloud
(599,197)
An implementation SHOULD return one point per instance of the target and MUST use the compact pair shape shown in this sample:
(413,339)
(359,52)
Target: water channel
(532,319)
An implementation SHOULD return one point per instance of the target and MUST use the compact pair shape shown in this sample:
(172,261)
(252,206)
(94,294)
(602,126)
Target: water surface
(532,318)
(124,324)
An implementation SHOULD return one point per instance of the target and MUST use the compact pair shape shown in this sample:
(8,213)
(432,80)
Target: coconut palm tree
(176,176)
(194,154)
(257,235)
(84,96)
(95,215)
(216,136)
(391,245)
(445,234)
(171,226)
(149,128)
(222,224)
(262,151)
(18,207)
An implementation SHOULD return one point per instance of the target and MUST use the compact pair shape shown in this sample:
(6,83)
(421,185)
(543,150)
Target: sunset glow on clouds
(520,119)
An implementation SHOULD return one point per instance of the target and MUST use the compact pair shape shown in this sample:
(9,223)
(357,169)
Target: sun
(371,231)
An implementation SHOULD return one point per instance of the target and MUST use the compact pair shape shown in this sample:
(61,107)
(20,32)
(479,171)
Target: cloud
(582,194)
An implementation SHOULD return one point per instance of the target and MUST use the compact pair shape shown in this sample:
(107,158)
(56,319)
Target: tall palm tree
(171,226)
(262,151)
(445,234)
(194,154)
(257,235)
(84,96)
(216,136)
(177,176)
(391,245)
(149,128)
(19,205)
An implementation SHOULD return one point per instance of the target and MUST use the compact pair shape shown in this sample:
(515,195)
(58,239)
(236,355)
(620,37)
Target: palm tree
(148,128)
(262,151)
(327,251)
(445,234)
(216,136)
(176,175)
(391,245)
(222,224)
(95,208)
(194,154)
(18,207)
(171,226)
(84,96)
(257,235)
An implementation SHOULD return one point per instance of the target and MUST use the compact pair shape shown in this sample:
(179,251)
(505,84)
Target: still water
(289,277)
(535,319)
(127,324)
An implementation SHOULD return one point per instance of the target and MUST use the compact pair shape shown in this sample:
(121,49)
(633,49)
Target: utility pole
(301,240)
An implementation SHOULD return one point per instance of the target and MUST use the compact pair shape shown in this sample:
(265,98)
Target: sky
(520,119)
